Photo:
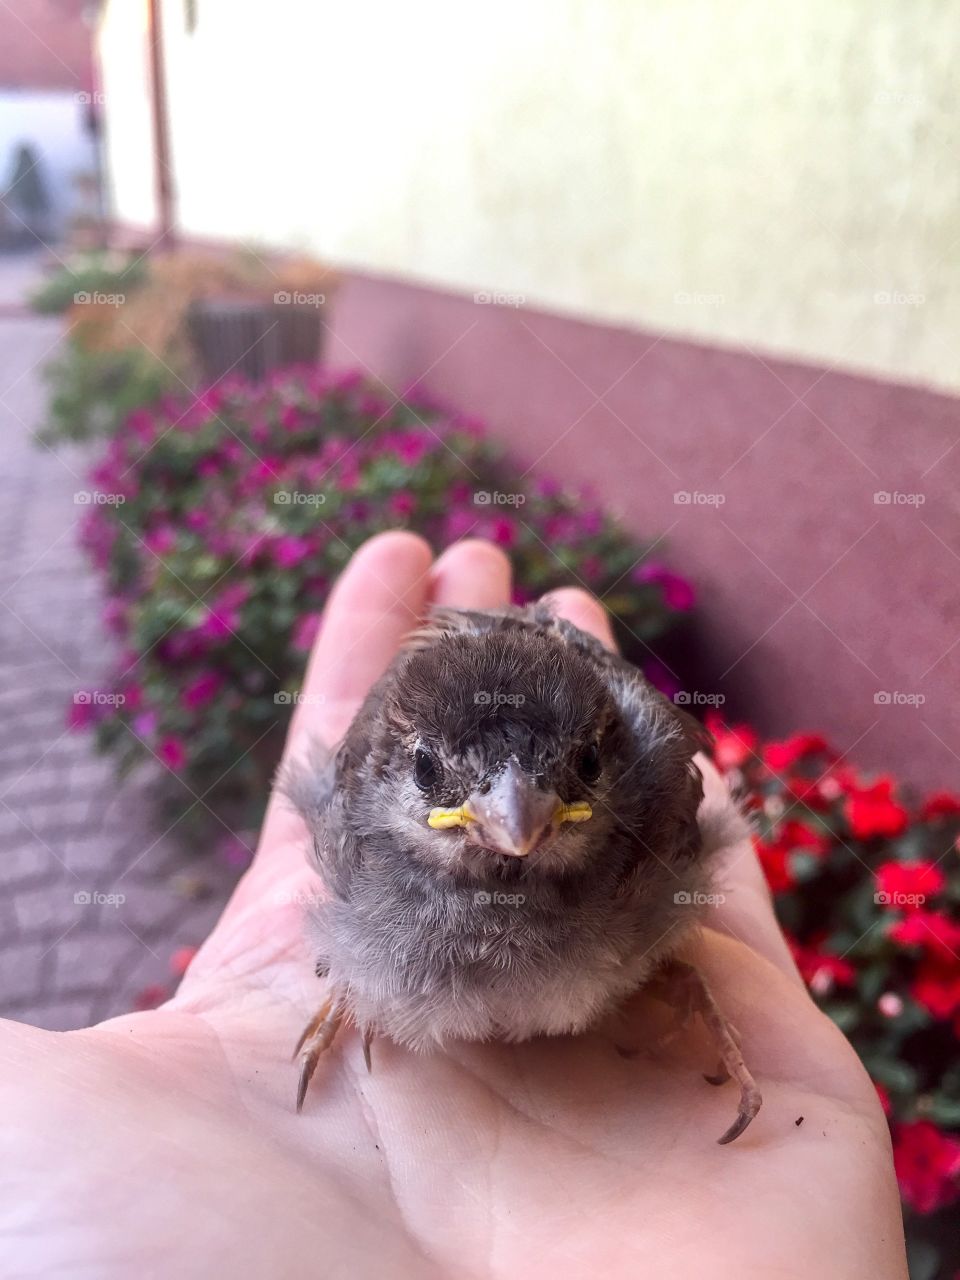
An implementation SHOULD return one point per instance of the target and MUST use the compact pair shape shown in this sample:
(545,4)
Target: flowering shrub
(867,887)
(220,522)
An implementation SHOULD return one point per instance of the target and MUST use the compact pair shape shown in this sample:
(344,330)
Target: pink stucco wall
(814,598)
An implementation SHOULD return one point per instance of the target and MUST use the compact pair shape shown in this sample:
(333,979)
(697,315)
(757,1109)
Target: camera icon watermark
(485,898)
(683,298)
(98,698)
(497,299)
(94,898)
(93,498)
(486,698)
(488,498)
(85,298)
(896,298)
(294,698)
(883,498)
(297,298)
(885,698)
(695,698)
(695,898)
(297,898)
(899,899)
(694,498)
(298,498)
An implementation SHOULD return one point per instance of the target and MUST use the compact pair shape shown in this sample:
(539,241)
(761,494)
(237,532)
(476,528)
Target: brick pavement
(67,827)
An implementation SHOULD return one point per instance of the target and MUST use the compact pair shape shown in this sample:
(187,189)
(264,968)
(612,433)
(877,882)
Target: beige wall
(735,171)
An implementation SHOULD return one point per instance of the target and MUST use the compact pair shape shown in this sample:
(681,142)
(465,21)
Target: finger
(744,907)
(471,575)
(380,596)
(584,611)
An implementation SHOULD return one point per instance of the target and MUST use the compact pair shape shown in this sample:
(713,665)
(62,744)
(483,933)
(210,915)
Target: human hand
(167,1144)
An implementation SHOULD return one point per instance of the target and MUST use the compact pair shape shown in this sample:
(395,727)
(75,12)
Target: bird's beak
(514,815)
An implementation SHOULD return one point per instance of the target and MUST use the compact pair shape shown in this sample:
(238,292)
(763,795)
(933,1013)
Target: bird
(512,841)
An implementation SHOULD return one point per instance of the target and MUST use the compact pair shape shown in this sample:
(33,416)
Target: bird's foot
(684,988)
(317,1037)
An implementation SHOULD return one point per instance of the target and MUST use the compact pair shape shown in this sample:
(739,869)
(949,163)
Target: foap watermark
(895,698)
(898,298)
(94,498)
(94,898)
(294,698)
(95,298)
(297,298)
(498,299)
(694,498)
(493,498)
(298,498)
(696,698)
(98,698)
(85,99)
(494,698)
(684,299)
(297,898)
(897,499)
(896,899)
(695,898)
(485,898)
(897,98)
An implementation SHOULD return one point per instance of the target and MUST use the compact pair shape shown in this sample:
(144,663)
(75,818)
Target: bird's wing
(309,784)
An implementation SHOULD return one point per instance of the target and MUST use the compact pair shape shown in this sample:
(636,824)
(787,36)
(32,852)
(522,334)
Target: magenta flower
(161,540)
(289,551)
(661,678)
(305,631)
(503,532)
(402,504)
(202,690)
(677,592)
(145,724)
(172,753)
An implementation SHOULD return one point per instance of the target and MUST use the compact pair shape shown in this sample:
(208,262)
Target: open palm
(166,1143)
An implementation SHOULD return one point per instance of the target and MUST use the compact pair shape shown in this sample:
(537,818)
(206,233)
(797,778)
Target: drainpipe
(163,172)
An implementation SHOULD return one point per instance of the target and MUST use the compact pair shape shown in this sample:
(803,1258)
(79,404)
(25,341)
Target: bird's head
(496,750)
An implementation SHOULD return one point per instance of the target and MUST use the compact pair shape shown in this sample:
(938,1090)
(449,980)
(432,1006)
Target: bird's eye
(426,771)
(589,764)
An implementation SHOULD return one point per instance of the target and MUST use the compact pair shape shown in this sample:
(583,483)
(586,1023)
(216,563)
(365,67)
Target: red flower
(927,1164)
(150,997)
(937,987)
(792,837)
(908,884)
(820,970)
(803,838)
(776,868)
(872,811)
(180,960)
(932,931)
(779,756)
(940,805)
(733,744)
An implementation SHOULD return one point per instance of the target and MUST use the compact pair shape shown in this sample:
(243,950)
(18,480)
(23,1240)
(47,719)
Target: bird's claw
(315,1040)
(682,986)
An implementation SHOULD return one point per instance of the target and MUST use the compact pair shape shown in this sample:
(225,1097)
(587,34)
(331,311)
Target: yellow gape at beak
(579,812)
(512,816)
(444,819)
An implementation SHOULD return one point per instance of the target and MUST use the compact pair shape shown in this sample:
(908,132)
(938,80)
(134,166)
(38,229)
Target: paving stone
(66,825)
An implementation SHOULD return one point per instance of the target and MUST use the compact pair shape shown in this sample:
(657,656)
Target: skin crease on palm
(166,1143)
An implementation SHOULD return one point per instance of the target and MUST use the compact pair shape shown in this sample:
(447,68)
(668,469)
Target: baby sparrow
(510,844)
